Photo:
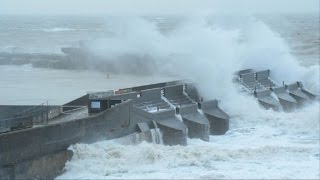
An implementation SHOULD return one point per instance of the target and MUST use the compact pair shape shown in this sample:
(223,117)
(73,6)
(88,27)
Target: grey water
(48,33)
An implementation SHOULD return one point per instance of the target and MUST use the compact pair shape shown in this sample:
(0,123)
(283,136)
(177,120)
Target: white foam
(238,154)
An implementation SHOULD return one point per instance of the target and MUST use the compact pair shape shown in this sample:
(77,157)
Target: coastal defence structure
(34,140)
(269,94)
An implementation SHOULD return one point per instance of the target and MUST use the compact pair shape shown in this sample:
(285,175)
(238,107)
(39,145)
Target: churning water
(208,49)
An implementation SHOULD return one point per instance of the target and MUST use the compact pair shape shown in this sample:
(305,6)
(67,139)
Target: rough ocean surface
(260,143)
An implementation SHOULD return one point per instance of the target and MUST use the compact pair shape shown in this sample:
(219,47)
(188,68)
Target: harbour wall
(49,143)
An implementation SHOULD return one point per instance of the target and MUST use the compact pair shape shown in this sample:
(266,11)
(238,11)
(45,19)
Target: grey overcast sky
(155,6)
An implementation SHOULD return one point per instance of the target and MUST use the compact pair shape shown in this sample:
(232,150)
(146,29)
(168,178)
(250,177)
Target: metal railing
(26,118)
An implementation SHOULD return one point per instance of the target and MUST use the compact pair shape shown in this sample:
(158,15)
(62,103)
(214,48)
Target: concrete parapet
(157,85)
(150,94)
(292,86)
(173,91)
(81,101)
(131,95)
(245,71)
(54,112)
(192,92)
(164,114)
(187,109)
(141,112)
(262,93)
(248,77)
(261,75)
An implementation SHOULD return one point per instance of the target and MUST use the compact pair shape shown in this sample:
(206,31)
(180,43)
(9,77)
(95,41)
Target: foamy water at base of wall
(260,144)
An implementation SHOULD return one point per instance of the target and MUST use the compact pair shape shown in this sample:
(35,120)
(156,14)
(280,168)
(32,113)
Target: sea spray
(206,52)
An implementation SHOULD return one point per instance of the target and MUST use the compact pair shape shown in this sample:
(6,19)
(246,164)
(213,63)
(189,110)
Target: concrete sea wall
(19,149)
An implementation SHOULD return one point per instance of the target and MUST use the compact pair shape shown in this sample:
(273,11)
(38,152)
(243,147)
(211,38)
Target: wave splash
(205,50)
(199,159)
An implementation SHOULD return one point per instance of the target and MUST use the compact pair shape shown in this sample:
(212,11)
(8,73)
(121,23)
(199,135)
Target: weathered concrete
(264,80)
(198,125)
(143,127)
(266,100)
(34,142)
(22,152)
(157,85)
(150,95)
(310,94)
(173,131)
(262,75)
(173,91)
(192,92)
(260,84)
(250,82)
(151,135)
(297,94)
(218,119)
(287,102)
(44,167)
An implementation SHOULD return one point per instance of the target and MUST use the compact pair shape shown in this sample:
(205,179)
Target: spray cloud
(204,48)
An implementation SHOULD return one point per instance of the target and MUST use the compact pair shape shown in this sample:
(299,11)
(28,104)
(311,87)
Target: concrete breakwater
(271,95)
(40,150)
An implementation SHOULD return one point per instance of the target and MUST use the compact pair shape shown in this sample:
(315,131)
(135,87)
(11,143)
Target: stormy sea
(206,48)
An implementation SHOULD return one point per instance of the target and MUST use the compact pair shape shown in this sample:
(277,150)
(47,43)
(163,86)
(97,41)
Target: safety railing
(26,118)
